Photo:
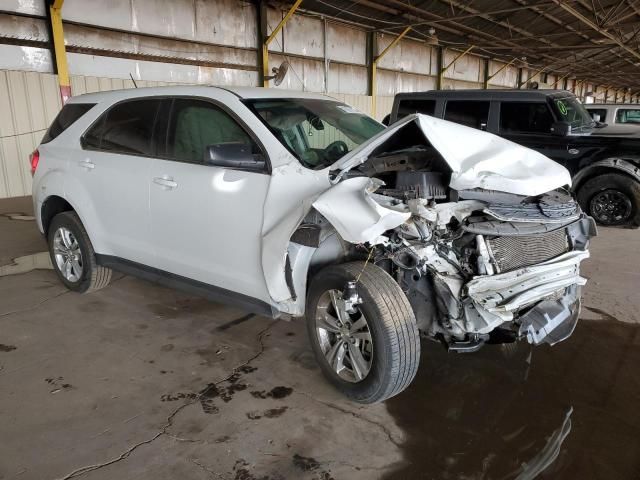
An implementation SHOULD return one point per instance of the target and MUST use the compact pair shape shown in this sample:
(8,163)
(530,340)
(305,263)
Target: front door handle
(87,164)
(166,182)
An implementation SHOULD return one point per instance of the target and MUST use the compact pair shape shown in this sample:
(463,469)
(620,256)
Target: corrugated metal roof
(596,41)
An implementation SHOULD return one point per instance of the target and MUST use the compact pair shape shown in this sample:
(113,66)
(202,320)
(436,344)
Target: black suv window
(125,128)
(601,112)
(523,117)
(410,105)
(196,124)
(468,112)
(65,118)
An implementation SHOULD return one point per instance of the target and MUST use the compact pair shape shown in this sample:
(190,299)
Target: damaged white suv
(293,204)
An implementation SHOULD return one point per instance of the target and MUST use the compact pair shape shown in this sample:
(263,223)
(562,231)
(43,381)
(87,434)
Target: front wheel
(369,352)
(611,199)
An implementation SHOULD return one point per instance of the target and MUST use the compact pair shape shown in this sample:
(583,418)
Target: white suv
(291,204)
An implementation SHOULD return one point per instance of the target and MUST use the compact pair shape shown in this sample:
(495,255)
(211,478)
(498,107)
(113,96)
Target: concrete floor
(141,382)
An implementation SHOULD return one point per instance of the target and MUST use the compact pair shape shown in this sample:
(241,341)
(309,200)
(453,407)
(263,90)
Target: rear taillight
(34,158)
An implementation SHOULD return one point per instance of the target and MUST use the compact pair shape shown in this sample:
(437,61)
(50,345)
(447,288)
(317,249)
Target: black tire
(622,188)
(392,324)
(93,277)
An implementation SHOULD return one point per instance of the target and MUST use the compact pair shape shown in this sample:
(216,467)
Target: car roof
(600,105)
(489,94)
(196,91)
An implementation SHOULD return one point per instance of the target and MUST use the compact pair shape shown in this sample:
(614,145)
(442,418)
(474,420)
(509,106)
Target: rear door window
(409,106)
(196,124)
(65,118)
(628,115)
(523,117)
(125,128)
(471,113)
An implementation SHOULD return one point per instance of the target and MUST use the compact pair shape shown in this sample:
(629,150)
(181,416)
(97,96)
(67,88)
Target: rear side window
(601,112)
(410,106)
(125,128)
(65,118)
(628,115)
(470,113)
(196,124)
(522,117)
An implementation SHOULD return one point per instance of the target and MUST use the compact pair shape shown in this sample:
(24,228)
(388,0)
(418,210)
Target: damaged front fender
(358,214)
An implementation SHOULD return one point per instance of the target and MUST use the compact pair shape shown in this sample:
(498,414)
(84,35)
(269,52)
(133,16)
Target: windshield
(569,109)
(317,132)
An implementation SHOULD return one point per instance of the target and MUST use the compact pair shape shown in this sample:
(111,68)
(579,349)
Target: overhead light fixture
(433,38)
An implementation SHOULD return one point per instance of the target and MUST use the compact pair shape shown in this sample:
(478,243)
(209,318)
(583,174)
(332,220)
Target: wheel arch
(52,206)
(629,167)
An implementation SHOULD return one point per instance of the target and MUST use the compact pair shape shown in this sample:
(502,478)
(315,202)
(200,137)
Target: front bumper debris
(503,294)
(552,321)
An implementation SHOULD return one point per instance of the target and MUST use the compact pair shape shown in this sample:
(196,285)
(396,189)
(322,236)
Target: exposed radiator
(511,253)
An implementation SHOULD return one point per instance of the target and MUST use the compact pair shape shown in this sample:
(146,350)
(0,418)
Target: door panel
(206,220)
(207,224)
(113,170)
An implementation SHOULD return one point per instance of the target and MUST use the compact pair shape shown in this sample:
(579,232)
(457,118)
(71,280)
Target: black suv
(605,169)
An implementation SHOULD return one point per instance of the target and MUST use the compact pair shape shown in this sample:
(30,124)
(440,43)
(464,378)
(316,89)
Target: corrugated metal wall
(163,42)
(28,103)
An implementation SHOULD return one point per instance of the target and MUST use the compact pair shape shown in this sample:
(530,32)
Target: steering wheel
(335,150)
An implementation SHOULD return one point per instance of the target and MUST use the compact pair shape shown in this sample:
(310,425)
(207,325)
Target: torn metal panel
(504,293)
(357,214)
(477,159)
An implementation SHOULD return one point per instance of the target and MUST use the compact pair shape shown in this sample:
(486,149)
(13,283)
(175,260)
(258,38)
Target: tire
(611,199)
(91,276)
(395,340)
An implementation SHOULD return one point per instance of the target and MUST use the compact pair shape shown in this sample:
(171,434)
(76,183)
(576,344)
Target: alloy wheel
(610,207)
(67,253)
(344,337)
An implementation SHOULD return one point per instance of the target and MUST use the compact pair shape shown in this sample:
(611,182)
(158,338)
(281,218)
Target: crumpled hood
(477,159)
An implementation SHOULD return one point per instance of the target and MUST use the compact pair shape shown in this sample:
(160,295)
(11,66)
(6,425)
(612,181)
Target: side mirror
(237,156)
(562,129)
(595,117)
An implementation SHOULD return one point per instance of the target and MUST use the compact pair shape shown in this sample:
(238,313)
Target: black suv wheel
(611,199)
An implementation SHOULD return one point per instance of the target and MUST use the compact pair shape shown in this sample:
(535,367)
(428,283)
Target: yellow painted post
(499,70)
(455,59)
(559,79)
(55,10)
(269,39)
(374,70)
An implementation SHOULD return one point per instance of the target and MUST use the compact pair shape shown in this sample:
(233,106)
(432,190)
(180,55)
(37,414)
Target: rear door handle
(87,164)
(166,182)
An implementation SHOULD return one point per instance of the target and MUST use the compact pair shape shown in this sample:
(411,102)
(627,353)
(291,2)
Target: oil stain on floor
(563,412)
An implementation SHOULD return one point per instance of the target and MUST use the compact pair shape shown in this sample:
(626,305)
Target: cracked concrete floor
(141,382)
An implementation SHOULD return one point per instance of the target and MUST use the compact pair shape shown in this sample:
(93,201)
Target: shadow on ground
(494,417)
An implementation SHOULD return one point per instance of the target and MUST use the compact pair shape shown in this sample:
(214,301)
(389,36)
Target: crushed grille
(511,253)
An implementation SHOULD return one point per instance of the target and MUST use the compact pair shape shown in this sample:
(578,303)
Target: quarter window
(125,128)
(601,112)
(197,124)
(410,106)
(470,113)
(65,118)
(522,117)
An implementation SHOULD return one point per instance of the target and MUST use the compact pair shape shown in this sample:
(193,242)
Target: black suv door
(529,124)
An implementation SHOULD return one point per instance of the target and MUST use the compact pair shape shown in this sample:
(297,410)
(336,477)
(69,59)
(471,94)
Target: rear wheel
(611,199)
(370,351)
(72,255)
